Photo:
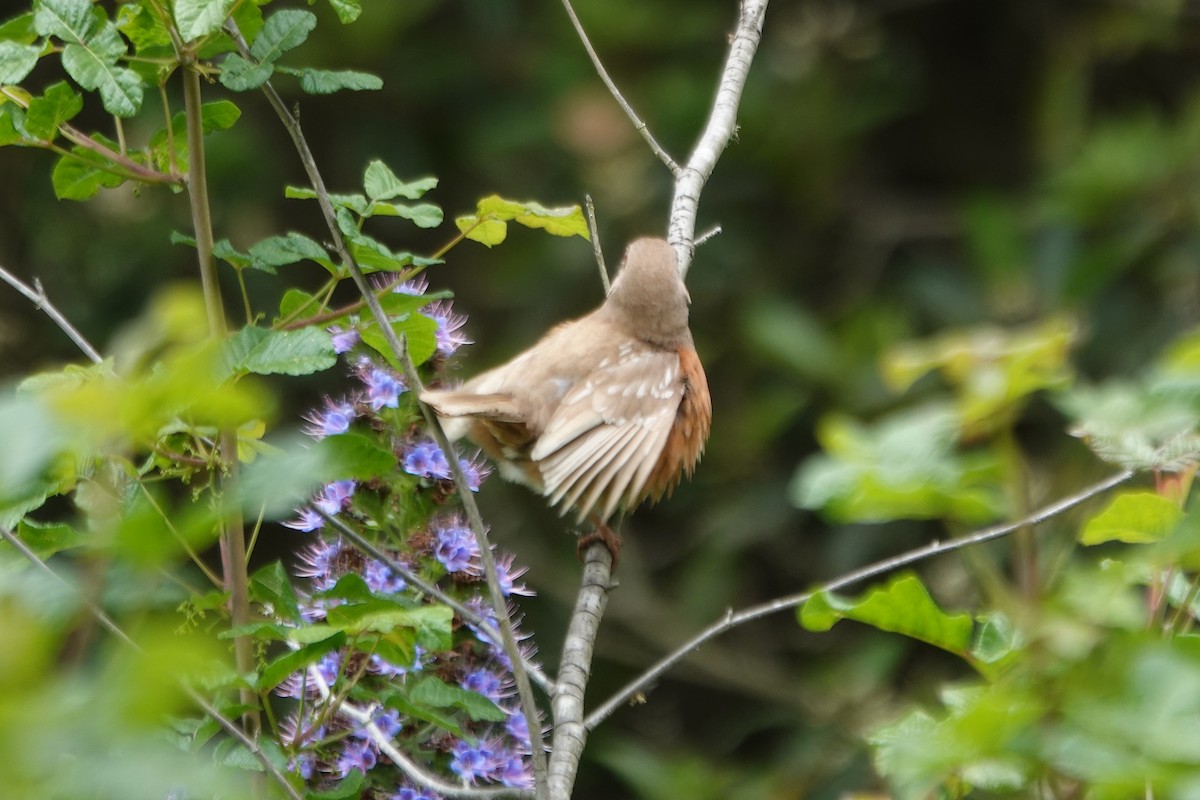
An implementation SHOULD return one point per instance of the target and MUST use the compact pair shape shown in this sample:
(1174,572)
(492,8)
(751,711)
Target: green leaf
(68,20)
(904,466)
(240,75)
(16,61)
(326,81)
(1133,517)
(272,585)
(381,183)
(121,89)
(285,478)
(58,104)
(424,215)
(281,668)
(19,29)
(83,174)
(418,331)
(902,606)
(437,693)
(199,18)
(277,251)
(49,538)
(146,30)
(488,224)
(281,32)
(296,302)
(399,701)
(268,352)
(347,10)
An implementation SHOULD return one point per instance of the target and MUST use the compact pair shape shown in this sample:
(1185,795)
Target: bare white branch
(570,734)
(722,124)
(733,619)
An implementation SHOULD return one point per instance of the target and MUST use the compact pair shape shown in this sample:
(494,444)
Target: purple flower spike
(307,521)
(333,497)
(426,460)
(449,327)
(343,338)
(334,420)
(383,388)
(456,547)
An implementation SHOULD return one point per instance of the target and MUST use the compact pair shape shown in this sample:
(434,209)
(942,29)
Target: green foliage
(489,224)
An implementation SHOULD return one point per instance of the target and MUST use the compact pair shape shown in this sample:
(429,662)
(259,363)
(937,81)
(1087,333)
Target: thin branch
(508,637)
(37,295)
(430,589)
(638,124)
(570,733)
(732,619)
(594,233)
(109,625)
(365,718)
(722,124)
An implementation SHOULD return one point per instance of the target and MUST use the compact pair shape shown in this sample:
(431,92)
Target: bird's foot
(605,536)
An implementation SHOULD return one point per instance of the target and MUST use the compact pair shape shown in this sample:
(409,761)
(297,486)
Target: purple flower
(307,521)
(386,720)
(472,762)
(381,666)
(476,472)
(415,287)
(316,560)
(456,546)
(356,755)
(335,419)
(449,327)
(334,496)
(382,578)
(383,388)
(518,728)
(490,684)
(343,338)
(516,772)
(426,460)
(412,793)
(508,576)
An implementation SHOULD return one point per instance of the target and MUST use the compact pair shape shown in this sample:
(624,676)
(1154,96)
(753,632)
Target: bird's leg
(603,534)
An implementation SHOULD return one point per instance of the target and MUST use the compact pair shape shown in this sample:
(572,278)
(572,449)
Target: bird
(604,411)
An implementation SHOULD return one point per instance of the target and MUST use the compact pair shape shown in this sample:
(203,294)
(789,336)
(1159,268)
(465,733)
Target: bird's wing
(607,433)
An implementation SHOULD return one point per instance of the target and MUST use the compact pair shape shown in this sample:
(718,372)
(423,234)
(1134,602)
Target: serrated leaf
(16,61)
(380,183)
(268,352)
(437,693)
(199,18)
(347,10)
(240,75)
(121,89)
(68,20)
(1133,517)
(327,81)
(281,668)
(281,32)
(146,31)
(12,125)
(58,104)
(903,606)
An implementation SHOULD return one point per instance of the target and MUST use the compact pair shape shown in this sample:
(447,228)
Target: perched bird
(605,410)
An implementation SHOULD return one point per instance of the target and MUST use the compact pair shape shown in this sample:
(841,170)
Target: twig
(365,717)
(37,295)
(414,579)
(570,733)
(732,619)
(109,625)
(708,234)
(594,232)
(508,638)
(638,124)
(722,123)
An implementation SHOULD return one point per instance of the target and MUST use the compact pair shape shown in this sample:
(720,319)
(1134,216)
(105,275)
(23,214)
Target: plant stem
(233,537)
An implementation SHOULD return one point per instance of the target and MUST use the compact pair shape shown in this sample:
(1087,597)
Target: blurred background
(902,168)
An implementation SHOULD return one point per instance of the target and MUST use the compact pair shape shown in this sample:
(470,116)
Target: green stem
(233,537)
